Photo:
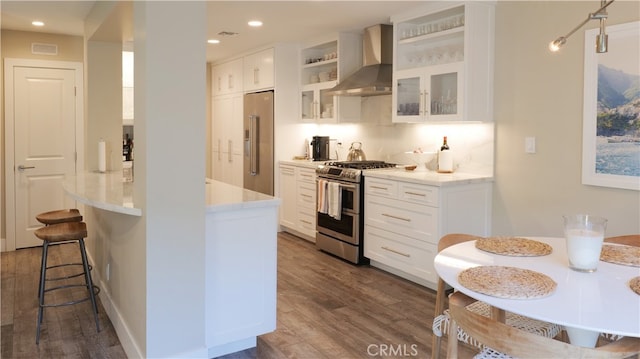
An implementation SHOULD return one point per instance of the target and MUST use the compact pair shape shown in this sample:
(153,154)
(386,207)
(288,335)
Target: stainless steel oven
(342,235)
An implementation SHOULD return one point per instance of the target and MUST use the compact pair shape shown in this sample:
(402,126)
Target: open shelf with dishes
(323,64)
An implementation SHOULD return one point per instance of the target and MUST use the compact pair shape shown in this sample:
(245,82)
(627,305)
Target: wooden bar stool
(56,234)
(59,216)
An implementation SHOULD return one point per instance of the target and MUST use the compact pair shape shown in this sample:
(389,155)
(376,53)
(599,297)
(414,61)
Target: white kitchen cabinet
(288,208)
(259,71)
(443,63)
(404,222)
(241,270)
(306,201)
(227,78)
(227,161)
(298,193)
(324,64)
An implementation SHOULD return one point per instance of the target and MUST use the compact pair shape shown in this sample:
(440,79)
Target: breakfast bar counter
(105,190)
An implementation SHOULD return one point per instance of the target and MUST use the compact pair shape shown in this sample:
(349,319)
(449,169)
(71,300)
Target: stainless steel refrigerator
(258,142)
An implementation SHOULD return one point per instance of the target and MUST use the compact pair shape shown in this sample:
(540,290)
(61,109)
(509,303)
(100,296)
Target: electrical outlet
(530,145)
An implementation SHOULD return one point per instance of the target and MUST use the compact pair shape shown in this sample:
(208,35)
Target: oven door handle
(350,186)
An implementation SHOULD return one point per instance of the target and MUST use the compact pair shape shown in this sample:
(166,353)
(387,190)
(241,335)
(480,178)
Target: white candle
(583,248)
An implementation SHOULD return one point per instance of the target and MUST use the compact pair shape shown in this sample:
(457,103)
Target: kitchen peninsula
(240,255)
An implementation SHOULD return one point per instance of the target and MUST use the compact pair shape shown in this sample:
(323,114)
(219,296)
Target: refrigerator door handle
(251,144)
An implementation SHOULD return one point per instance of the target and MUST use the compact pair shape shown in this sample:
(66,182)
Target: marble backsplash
(472,144)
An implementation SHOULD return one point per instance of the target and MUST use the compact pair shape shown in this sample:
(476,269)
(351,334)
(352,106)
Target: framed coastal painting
(611,122)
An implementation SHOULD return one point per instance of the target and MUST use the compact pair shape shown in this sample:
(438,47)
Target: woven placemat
(507,282)
(513,246)
(634,284)
(621,254)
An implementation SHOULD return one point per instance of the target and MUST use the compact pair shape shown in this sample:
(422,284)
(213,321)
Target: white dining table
(585,303)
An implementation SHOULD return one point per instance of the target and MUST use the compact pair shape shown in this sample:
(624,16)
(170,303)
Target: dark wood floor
(327,308)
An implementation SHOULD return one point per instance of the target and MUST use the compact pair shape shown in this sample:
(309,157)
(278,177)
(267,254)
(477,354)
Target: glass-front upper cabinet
(429,95)
(433,54)
(325,62)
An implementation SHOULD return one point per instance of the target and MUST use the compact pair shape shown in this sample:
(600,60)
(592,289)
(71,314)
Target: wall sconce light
(601,39)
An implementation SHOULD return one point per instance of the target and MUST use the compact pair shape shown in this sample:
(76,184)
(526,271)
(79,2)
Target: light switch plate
(530,145)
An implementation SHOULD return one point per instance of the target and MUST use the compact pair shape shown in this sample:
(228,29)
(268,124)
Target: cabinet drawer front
(381,187)
(418,194)
(306,175)
(409,219)
(307,195)
(400,252)
(307,223)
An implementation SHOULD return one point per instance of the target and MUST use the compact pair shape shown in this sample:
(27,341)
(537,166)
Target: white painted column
(170,115)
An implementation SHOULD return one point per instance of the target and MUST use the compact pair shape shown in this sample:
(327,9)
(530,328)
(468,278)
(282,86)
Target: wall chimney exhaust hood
(375,76)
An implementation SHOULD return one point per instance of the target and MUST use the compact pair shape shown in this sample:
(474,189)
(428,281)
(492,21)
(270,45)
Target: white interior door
(43,114)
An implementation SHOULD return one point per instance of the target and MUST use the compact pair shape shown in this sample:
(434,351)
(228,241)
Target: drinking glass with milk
(584,235)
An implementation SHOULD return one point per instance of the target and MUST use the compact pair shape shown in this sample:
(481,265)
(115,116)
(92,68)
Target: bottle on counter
(444,146)
(445,158)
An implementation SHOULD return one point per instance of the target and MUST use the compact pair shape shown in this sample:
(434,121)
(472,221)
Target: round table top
(600,301)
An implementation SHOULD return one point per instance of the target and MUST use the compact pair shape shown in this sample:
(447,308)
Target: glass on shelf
(444,94)
(435,56)
(433,27)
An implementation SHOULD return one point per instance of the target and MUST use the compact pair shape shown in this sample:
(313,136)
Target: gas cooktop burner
(361,165)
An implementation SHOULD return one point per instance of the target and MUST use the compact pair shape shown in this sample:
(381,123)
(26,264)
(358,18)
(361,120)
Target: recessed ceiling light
(255,23)
(213,41)
(37,23)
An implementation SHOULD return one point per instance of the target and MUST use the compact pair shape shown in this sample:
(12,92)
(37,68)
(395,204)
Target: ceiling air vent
(44,49)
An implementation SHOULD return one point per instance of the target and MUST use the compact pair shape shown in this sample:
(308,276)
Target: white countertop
(108,191)
(102,190)
(428,177)
(224,197)
(419,176)
(303,163)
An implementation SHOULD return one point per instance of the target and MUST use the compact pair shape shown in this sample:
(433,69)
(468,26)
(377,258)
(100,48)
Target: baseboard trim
(127,341)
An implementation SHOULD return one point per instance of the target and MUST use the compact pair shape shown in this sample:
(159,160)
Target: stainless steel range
(340,218)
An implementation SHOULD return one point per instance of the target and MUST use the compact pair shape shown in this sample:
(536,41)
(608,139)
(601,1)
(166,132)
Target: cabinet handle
(305,195)
(382,188)
(396,217)
(219,150)
(219,83)
(396,252)
(256,75)
(231,82)
(416,194)
(303,221)
(230,152)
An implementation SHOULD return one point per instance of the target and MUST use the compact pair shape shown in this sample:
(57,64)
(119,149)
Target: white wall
(540,94)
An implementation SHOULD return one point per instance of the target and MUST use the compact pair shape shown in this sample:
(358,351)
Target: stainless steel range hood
(375,76)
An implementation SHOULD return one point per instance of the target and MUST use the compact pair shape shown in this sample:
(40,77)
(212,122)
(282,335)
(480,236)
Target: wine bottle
(444,146)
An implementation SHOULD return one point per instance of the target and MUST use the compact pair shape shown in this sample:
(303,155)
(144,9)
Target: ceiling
(284,21)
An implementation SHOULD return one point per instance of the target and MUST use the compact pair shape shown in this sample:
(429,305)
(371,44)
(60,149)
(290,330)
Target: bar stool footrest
(69,276)
(96,291)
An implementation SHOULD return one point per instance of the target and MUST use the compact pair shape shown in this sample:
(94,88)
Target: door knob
(22,168)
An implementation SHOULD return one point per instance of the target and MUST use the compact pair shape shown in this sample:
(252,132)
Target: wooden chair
(441,316)
(504,341)
(629,239)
